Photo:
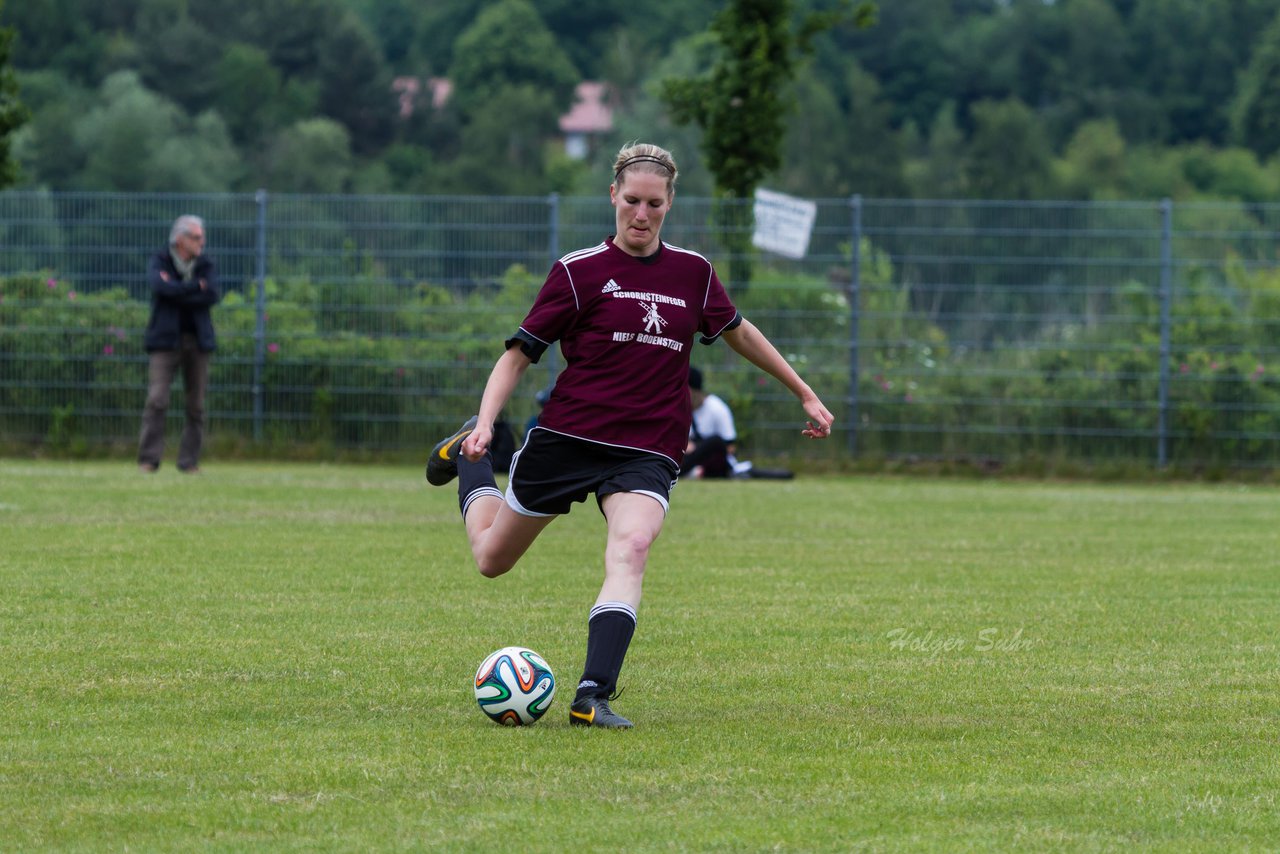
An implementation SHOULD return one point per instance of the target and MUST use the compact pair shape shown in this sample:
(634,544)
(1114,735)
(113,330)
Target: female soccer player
(625,312)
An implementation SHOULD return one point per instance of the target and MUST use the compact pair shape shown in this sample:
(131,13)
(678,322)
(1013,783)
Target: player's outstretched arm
(503,380)
(750,343)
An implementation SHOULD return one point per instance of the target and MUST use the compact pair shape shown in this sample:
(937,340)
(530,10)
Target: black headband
(643,158)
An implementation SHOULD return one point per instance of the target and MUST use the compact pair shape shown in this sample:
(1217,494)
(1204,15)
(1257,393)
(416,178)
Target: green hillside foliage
(12,111)
(1061,394)
(1023,99)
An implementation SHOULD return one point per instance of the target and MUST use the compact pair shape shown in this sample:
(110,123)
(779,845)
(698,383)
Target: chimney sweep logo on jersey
(654,322)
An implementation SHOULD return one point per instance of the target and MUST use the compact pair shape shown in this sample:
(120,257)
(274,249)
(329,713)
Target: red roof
(591,112)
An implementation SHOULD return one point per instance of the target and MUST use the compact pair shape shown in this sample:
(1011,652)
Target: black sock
(475,480)
(609,631)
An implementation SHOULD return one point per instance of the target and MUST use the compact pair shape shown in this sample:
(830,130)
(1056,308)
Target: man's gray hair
(184,224)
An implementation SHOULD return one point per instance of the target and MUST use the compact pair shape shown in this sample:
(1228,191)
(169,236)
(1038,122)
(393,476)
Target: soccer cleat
(595,711)
(442,466)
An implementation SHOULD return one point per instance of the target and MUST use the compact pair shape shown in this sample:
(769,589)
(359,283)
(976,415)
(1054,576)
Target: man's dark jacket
(171,298)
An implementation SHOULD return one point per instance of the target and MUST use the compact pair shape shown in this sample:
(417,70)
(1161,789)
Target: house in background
(588,120)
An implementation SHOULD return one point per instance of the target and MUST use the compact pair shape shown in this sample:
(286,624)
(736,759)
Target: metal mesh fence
(987,331)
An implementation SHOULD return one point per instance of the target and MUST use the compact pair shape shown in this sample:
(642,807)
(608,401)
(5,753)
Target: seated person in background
(712,437)
(504,444)
(713,440)
(540,397)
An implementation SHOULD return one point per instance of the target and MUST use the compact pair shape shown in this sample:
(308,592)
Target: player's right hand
(477,442)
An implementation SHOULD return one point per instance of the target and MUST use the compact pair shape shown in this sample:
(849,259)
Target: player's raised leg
(499,536)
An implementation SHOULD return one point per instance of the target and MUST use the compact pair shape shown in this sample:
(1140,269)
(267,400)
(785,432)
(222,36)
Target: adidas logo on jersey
(610,287)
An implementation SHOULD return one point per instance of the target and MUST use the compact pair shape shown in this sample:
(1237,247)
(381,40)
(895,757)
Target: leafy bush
(369,364)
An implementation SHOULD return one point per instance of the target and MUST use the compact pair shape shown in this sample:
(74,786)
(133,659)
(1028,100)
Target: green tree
(584,29)
(121,133)
(1155,172)
(394,23)
(1256,109)
(916,52)
(1008,156)
(919,74)
(840,139)
(135,140)
(741,105)
(12,111)
(1068,59)
(646,117)
(290,31)
(355,84)
(940,172)
(508,44)
(1093,164)
(874,161)
(201,160)
(312,156)
(1228,173)
(409,168)
(817,143)
(511,82)
(247,91)
(503,144)
(1186,59)
(43,147)
(658,24)
(439,24)
(176,53)
(59,34)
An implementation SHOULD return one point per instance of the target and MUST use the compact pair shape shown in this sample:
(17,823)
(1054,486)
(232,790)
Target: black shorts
(552,471)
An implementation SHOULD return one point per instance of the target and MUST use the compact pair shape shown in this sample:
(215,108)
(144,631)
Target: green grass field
(278,657)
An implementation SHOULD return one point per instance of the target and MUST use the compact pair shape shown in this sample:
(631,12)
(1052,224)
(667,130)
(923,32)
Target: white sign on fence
(783,223)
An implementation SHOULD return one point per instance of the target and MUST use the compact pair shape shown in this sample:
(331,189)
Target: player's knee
(491,568)
(634,548)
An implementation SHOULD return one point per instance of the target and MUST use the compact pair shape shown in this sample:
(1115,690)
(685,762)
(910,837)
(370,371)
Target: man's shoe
(147,468)
(595,711)
(442,466)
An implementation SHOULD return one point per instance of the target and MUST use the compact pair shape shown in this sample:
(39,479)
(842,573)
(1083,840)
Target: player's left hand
(820,420)
(815,431)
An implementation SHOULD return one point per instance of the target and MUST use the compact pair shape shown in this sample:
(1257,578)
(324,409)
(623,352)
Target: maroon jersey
(626,326)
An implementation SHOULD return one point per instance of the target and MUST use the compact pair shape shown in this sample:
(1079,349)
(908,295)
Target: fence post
(260,324)
(855,289)
(1166,315)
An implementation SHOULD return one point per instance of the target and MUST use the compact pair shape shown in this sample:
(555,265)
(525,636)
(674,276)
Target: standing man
(184,286)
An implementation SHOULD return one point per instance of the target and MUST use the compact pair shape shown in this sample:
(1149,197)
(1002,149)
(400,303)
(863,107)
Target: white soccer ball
(515,686)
